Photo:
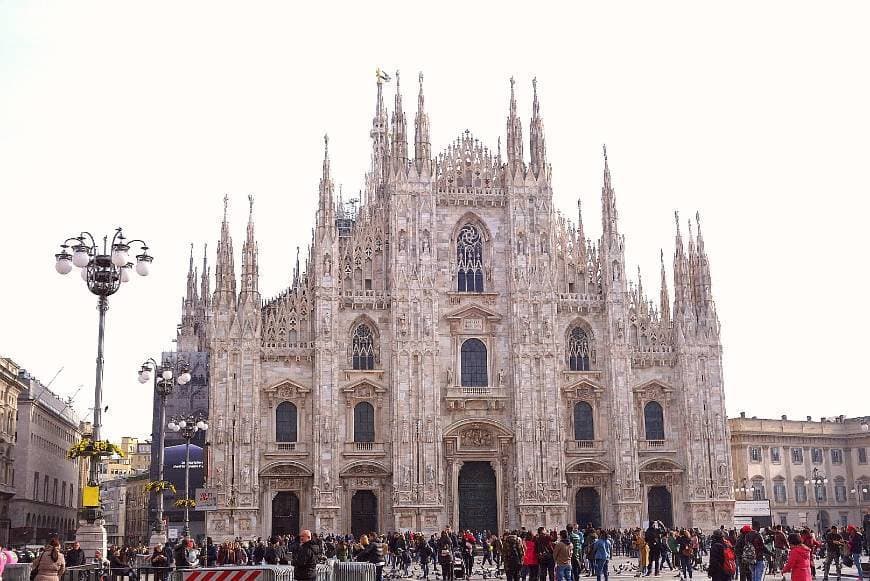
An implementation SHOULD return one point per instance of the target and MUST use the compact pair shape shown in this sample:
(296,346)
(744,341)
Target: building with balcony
(814,473)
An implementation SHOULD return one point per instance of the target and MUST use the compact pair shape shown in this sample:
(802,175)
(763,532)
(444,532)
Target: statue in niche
(325,478)
(430,431)
(326,435)
(500,377)
(404,431)
(406,476)
(530,474)
(219,433)
(427,325)
(424,242)
(246,475)
(403,241)
(327,264)
(219,477)
(430,474)
(403,324)
(246,435)
(449,376)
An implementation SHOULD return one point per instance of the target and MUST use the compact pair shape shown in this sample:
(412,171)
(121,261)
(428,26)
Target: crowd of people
(519,555)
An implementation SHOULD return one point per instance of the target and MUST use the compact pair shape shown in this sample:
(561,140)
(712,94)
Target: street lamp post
(187,426)
(819,481)
(103,270)
(164,383)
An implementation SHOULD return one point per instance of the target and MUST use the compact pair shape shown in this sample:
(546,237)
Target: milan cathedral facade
(455,351)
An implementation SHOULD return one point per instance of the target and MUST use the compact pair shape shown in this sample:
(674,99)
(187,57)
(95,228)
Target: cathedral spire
(537,143)
(250,270)
(682,290)
(326,203)
(422,145)
(204,291)
(380,142)
(514,136)
(664,298)
(191,296)
(609,215)
(704,282)
(399,145)
(225,272)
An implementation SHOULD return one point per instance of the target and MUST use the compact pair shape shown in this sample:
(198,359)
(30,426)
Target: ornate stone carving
(477,436)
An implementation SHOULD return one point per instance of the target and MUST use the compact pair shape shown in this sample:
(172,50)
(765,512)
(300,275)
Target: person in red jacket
(799,559)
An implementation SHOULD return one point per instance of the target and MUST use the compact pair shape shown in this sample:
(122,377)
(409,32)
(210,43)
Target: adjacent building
(454,350)
(137,528)
(136,458)
(46,481)
(10,388)
(113,500)
(814,473)
(191,398)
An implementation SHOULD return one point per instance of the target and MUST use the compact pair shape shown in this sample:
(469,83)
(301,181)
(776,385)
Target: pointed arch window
(363,348)
(584,422)
(363,422)
(474,372)
(286,417)
(469,260)
(654,421)
(578,350)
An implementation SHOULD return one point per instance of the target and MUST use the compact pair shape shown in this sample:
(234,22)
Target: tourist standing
(602,550)
(50,564)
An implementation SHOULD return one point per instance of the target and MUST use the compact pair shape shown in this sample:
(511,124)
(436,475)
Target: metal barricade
(324,573)
(90,572)
(17,572)
(351,571)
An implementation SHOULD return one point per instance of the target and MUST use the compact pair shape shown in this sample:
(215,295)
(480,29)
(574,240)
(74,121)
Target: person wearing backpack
(512,556)
(751,551)
(723,564)
(799,559)
(687,554)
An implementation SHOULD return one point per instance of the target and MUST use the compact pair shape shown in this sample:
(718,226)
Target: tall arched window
(469,260)
(779,490)
(363,422)
(800,489)
(584,423)
(474,372)
(840,489)
(578,350)
(363,348)
(758,492)
(654,421)
(285,422)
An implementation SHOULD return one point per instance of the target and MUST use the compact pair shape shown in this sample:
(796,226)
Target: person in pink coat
(799,559)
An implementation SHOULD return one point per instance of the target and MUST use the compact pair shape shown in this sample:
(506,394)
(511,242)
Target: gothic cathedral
(455,351)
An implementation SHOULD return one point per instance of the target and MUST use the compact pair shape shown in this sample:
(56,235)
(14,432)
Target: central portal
(285,514)
(478,497)
(363,513)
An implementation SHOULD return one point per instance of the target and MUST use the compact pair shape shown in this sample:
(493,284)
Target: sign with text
(751,508)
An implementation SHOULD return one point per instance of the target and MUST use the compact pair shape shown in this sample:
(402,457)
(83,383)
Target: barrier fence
(335,571)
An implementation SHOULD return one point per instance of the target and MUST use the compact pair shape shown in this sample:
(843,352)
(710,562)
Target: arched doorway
(478,497)
(587,507)
(659,506)
(285,514)
(363,513)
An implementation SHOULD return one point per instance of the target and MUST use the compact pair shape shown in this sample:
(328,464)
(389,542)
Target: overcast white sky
(144,114)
